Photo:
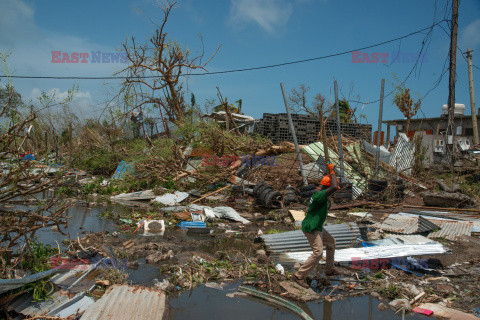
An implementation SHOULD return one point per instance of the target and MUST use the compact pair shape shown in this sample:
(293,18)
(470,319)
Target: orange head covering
(326,181)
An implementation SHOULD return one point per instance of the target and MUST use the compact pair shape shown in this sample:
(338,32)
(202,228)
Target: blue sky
(251,33)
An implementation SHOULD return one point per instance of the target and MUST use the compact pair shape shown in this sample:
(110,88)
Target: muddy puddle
(210,304)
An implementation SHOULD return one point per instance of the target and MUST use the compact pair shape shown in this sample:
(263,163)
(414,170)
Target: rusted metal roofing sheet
(128,302)
(345,235)
(398,224)
(451,230)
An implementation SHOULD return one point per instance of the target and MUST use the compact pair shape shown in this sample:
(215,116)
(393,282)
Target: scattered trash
(122,170)
(213,285)
(422,311)
(154,225)
(192,224)
(134,196)
(228,213)
(279,268)
(172,199)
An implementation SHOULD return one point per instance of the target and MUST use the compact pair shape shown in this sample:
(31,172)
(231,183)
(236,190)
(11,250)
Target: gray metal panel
(10,284)
(425,225)
(24,305)
(345,235)
(402,156)
(128,302)
(61,298)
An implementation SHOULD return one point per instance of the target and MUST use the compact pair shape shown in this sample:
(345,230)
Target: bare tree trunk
(407,126)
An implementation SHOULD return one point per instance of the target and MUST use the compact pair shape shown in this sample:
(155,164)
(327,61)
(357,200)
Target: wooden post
(387,140)
(294,136)
(451,83)
(339,134)
(227,121)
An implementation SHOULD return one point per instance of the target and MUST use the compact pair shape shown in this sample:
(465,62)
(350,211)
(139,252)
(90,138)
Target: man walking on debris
(312,227)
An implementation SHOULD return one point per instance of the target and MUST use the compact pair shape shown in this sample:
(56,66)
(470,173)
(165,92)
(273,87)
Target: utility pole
(451,82)
(472,98)
(379,130)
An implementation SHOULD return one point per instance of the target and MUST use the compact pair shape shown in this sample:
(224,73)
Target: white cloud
(81,101)
(268,14)
(32,48)
(470,37)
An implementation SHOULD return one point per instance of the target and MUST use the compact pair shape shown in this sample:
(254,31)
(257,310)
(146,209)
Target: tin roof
(451,230)
(398,224)
(128,302)
(345,235)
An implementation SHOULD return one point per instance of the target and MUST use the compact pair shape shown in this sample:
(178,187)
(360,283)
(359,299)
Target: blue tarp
(122,170)
(28,157)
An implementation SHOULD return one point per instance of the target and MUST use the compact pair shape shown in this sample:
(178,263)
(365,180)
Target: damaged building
(433,132)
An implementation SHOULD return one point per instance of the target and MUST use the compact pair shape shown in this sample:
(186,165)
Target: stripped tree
(155,69)
(406,105)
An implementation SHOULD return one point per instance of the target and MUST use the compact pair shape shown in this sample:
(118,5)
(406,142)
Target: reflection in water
(205,303)
(81,220)
(327,310)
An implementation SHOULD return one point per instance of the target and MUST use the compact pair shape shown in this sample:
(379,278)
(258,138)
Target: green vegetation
(391,292)
(37,260)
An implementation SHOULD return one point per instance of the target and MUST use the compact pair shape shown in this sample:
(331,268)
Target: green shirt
(317,212)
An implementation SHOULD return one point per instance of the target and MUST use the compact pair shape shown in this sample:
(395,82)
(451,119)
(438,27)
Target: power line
(426,41)
(228,71)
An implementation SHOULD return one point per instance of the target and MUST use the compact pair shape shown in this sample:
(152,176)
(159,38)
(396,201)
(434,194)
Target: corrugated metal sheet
(345,235)
(10,284)
(376,252)
(24,305)
(401,157)
(451,230)
(372,150)
(409,239)
(128,302)
(315,151)
(399,224)
(75,280)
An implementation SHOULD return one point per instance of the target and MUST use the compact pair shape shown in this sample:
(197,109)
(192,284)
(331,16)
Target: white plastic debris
(172,199)
(279,268)
(229,213)
(209,214)
(213,285)
(163,285)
